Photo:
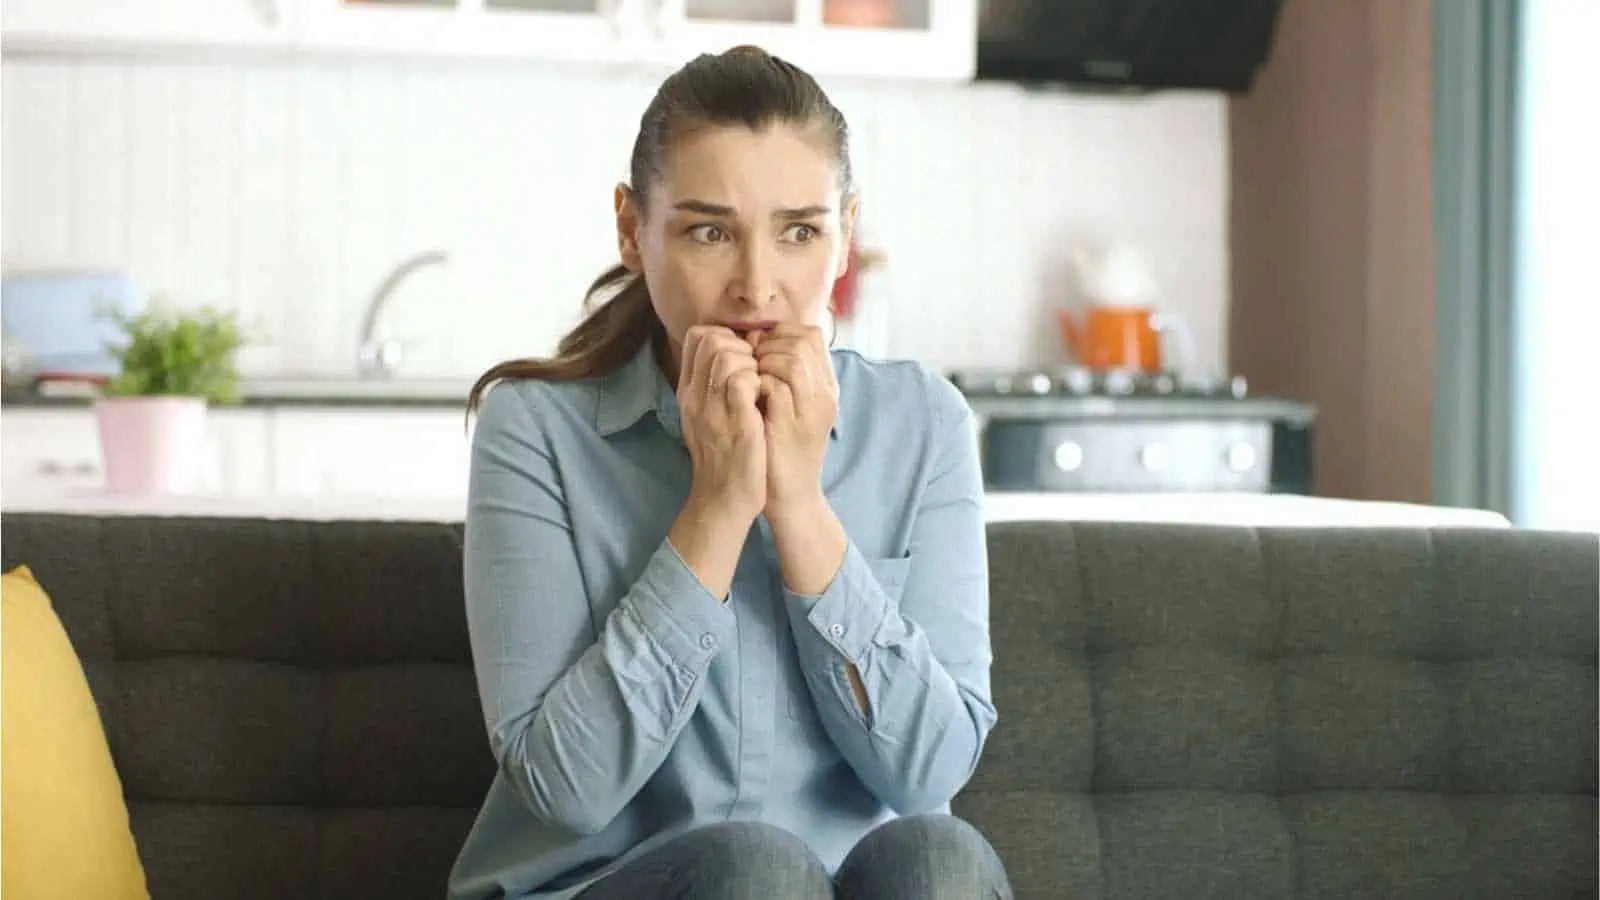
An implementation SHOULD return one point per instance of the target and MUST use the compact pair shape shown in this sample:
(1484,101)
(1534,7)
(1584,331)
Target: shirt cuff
(851,611)
(680,612)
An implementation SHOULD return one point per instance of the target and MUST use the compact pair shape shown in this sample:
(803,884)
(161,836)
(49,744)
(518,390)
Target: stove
(1079,381)
(1077,429)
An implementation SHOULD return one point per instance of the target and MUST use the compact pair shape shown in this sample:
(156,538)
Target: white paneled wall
(286,190)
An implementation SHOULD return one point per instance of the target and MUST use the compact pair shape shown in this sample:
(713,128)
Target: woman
(727,591)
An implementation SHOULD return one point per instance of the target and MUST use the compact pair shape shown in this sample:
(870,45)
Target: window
(1556,350)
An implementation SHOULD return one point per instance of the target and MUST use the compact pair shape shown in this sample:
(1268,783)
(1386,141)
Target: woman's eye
(708,234)
(801,233)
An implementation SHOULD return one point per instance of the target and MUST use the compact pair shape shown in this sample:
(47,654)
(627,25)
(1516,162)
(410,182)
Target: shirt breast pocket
(891,574)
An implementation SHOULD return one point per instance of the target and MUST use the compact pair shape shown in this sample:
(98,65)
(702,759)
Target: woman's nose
(755,284)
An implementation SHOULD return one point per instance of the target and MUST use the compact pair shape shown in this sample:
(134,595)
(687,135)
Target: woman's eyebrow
(703,207)
(716,209)
(803,212)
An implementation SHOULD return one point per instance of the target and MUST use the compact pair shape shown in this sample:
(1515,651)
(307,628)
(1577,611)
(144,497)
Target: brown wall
(1332,238)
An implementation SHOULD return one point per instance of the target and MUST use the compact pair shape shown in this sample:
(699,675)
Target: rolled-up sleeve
(577,720)
(916,629)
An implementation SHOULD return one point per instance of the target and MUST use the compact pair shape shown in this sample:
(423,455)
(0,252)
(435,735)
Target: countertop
(1031,408)
(436,393)
(451,393)
(1262,510)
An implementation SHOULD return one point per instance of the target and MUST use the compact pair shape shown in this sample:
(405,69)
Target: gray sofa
(1185,712)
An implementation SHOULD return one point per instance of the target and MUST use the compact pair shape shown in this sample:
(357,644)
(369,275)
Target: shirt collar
(638,388)
(633,390)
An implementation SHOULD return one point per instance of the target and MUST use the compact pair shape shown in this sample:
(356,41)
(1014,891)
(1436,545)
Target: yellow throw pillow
(65,822)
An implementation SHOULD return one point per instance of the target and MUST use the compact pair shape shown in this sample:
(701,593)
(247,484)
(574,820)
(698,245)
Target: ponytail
(608,337)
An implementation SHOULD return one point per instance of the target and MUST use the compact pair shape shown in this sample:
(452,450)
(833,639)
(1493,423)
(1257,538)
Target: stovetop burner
(1079,381)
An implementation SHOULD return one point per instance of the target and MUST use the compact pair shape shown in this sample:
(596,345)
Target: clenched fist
(718,389)
(800,399)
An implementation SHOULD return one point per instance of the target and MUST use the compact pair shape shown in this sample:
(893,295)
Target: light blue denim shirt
(625,704)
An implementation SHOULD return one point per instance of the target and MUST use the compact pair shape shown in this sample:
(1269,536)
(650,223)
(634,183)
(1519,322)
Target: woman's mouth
(745,329)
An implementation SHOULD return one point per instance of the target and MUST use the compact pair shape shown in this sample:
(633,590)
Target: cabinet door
(370,453)
(49,451)
(596,31)
(53,451)
(73,24)
(929,39)
(238,451)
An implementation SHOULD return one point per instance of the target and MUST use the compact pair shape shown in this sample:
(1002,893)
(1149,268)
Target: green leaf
(187,354)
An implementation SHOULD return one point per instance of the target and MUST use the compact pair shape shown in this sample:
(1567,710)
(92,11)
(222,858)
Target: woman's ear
(627,209)
(848,211)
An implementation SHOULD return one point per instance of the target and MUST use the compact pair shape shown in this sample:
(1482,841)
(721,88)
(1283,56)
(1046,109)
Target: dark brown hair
(743,86)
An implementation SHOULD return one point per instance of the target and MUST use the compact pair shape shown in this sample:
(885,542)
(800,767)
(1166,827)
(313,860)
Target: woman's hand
(801,399)
(718,387)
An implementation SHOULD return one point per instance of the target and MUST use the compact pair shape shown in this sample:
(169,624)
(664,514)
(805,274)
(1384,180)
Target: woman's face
(743,228)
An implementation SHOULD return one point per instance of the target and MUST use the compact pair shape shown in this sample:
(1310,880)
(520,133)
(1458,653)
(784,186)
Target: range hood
(1126,45)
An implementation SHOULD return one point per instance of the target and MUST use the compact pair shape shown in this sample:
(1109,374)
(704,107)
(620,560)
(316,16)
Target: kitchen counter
(447,393)
(1108,407)
(1264,510)
(452,393)
(1246,509)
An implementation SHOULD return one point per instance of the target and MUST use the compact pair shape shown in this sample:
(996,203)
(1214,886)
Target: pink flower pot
(152,445)
(860,13)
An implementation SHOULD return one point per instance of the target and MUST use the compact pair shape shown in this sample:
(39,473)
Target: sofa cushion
(66,830)
(1202,712)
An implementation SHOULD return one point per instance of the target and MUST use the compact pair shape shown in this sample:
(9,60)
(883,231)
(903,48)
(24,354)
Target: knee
(759,839)
(942,855)
(934,835)
(763,861)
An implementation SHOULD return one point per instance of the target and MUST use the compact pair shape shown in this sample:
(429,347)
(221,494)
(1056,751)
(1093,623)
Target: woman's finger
(725,365)
(791,368)
(744,390)
(779,400)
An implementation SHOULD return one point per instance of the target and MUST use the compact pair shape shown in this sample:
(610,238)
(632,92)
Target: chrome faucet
(379,358)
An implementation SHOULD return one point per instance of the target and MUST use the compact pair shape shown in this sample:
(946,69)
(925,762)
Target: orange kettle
(1116,337)
(1121,330)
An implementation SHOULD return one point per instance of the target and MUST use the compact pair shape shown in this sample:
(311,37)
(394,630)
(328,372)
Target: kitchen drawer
(49,449)
(1128,455)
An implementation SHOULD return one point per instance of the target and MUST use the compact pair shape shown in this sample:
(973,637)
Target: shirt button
(836,630)
(708,641)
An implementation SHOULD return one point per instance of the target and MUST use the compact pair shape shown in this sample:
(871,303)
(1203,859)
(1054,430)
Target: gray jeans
(929,857)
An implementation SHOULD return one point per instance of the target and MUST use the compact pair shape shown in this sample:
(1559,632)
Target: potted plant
(152,413)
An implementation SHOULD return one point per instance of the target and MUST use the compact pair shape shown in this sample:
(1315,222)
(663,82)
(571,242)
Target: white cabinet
(592,31)
(44,450)
(258,451)
(932,39)
(370,452)
(238,451)
(838,38)
(52,450)
(69,24)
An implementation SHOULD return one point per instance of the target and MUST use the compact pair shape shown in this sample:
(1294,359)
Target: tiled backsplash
(287,190)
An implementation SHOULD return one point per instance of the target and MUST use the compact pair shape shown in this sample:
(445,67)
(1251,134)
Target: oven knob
(1040,383)
(1068,456)
(1002,384)
(1155,457)
(1241,457)
(1118,382)
(1078,380)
